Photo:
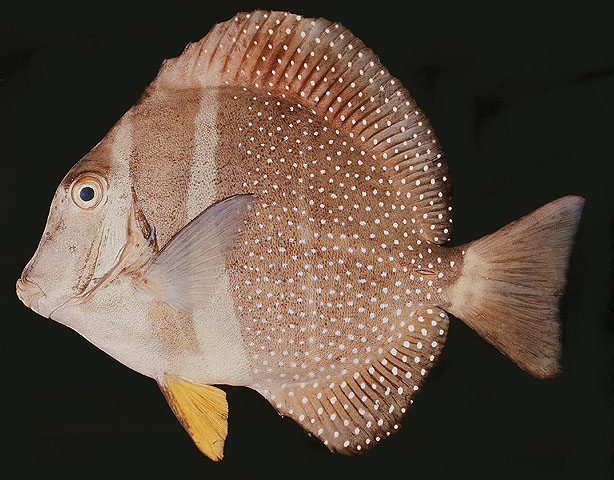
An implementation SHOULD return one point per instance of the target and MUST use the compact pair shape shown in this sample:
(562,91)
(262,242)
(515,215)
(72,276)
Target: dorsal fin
(351,413)
(320,64)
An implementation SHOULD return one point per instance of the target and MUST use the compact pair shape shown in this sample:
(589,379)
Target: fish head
(85,232)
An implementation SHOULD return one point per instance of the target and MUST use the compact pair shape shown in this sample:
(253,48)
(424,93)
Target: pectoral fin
(202,410)
(187,269)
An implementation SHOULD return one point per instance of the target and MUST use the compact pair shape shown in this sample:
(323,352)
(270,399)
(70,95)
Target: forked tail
(511,283)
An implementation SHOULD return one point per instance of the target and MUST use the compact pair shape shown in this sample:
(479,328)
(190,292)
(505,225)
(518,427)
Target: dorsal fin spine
(225,27)
(318,75)
(321,73)
(248,53)
(336,88)
(235,41)
(357,75)
(282,53)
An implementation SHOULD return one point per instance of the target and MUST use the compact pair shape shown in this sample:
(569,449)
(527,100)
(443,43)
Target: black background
(521,97)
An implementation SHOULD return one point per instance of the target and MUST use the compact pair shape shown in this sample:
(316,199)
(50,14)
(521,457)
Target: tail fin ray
(511,283)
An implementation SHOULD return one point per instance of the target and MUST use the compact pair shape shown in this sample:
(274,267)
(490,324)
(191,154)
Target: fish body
(272,213)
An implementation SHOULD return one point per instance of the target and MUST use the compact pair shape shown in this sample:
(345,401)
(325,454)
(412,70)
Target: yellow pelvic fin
(202,410)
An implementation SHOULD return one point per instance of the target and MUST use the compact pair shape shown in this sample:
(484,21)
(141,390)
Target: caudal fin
(511,283)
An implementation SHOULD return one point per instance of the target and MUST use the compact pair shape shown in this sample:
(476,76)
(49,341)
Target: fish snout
(32,296)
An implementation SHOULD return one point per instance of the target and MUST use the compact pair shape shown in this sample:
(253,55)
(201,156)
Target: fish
(273,213)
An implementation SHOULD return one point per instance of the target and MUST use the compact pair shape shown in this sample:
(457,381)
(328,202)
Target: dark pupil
(86,194)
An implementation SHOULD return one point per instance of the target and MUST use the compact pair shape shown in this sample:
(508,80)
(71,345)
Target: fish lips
(33,297)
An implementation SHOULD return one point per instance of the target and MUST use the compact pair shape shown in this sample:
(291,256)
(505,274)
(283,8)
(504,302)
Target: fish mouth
(33,297)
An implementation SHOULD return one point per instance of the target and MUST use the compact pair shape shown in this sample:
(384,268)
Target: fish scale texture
(329,275)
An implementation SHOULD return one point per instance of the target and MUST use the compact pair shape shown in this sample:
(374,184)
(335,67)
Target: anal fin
(352,412)
(202,410)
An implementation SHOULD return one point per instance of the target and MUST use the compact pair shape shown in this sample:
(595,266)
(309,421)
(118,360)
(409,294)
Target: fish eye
(86,194)
(88,191)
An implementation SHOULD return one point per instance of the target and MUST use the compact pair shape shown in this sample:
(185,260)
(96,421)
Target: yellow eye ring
(88,191)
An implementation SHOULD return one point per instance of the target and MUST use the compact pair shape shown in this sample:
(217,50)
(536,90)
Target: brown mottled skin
(276,251)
